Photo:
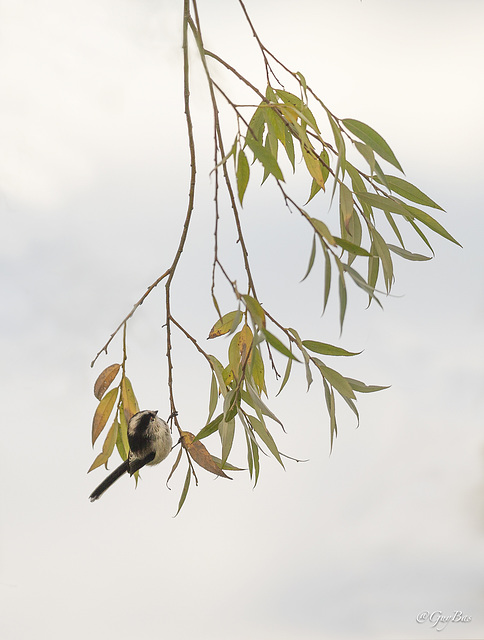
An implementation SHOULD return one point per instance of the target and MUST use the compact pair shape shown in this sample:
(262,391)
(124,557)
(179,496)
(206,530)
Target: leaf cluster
(343,159)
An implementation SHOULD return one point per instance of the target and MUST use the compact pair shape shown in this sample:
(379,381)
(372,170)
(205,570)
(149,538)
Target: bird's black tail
(111,479)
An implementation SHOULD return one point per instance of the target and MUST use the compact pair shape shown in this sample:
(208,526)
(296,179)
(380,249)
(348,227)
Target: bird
(149,441)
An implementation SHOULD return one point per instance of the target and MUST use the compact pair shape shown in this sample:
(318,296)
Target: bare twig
(124,322)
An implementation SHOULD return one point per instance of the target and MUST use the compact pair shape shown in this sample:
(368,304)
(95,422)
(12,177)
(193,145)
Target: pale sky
(93,187)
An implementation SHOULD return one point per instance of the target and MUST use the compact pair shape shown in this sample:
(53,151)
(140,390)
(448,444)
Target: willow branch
(190,206)
(124,322)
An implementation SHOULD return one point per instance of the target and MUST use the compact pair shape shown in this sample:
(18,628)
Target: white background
(93,187)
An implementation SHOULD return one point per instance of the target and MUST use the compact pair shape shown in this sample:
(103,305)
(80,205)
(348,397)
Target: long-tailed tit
(150,442)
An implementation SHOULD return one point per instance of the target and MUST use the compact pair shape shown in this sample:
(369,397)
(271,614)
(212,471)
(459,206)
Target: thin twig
(124,322)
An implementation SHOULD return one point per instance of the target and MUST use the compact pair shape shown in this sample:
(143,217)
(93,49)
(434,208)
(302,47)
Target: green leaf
(210,428)
(266,437)
(408,255)
(353,408)
(255,309)
(256,124)
(340,144)
(327,276)
(359,186)
(346,206)
(373,268)
(328,349)
(243,173)
(184,492)
(309,377)
(381,249)
(361,282)
(254,401)
(351,248)
(227,466)
(213,397)
(218,369)
(265,157)
(335,379)
(290,98)
(331,405)
(410,191)
(308,117)
(289,147)
(226,430)
(394,227)
(311,259)
(231,405)
(381,176)
(417,229)
(342,297)
(287,373)
(367,153)
(430,222)
(382,202)
(361,387)
(322,230)
(370,137)
(278,345)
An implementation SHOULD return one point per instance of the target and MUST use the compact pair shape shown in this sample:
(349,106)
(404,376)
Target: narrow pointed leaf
(351,248)
(370,137)
(264,434)
(103,411)
(361,387)
(265,157)
(287,373)
(226,324)
(210,428)
(408,255)
(130,403)
(328,349)
(311,259)
(105,379)
(255,309)
(335,379)
(243,173)
(278,345)
(431,223)
(184,492)
(410,191)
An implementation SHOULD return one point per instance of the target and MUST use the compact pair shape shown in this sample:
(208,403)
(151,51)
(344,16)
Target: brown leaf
(104,380)
(201,455)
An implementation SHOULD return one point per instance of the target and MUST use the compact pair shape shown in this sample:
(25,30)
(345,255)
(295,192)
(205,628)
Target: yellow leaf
(225,324)
(289,112)
(102,414)
(108,447)
(130,404)
(245,343)
(313,164)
